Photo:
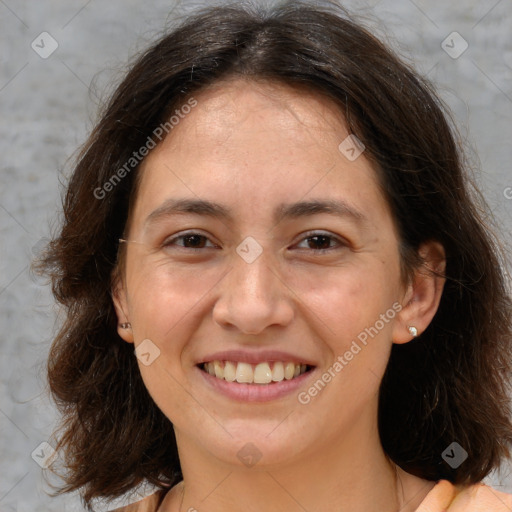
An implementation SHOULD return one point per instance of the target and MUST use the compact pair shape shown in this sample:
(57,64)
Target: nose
(253,297)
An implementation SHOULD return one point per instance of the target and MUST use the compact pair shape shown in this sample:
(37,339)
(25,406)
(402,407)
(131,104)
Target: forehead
(254,143)
(242,102)
(237,115)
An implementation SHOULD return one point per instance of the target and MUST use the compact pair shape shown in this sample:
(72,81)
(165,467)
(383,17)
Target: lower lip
(255,392)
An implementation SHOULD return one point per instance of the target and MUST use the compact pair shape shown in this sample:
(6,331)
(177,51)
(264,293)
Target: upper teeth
(262,373)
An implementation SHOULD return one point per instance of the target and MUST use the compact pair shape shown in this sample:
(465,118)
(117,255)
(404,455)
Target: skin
(251,147)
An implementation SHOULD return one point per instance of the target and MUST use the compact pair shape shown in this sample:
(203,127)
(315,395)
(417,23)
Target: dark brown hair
(450,384)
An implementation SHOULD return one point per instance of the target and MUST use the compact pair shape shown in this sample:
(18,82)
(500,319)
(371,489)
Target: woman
(281,292)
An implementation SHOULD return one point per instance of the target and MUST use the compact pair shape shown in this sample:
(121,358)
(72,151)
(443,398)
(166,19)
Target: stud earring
(126,325)
(413,331)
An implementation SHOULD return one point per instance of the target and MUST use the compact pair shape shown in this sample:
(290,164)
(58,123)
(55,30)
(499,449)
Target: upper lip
(255,357)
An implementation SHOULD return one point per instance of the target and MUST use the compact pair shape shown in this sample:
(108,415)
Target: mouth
(264,373)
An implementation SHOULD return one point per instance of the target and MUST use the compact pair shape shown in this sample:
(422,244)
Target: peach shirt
(444,497)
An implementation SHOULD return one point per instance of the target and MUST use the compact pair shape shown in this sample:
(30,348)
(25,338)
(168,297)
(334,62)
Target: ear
(119,298)
(423,293)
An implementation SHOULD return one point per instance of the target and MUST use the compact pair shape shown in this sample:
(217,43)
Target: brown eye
(321,242)
(188,241)
(194,241)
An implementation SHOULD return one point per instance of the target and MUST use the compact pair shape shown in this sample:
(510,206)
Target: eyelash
(310,235)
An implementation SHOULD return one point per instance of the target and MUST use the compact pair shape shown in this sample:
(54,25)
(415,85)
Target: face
(256,243)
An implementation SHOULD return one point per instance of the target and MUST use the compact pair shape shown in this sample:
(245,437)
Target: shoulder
(475,498)
(483,498)
(148,504)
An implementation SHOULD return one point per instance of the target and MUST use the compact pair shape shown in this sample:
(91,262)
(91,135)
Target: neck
(348,475)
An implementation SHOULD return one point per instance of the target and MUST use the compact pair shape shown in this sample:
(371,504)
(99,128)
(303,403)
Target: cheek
(350,300)
(166,307)
(354,318)
(164,299)
(169,391)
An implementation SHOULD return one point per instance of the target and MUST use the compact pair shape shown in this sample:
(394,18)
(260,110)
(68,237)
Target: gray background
(47,109)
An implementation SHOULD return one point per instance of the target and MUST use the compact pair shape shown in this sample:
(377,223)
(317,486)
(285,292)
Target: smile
(261,373)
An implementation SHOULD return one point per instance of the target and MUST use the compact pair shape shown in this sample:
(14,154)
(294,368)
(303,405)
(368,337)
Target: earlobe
(124,327)
(423,295)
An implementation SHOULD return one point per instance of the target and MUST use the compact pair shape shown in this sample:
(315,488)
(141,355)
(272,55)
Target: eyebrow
(284,211)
